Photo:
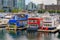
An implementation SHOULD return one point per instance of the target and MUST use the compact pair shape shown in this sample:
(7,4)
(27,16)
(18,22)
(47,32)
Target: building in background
(8,5)
(0,4)
(52,7)
(21,4)
(31,6)
(40,6)
(58,2)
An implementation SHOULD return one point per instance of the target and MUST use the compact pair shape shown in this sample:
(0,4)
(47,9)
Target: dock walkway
(50,31)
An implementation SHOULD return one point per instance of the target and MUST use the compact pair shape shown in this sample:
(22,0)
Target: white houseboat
(49,21)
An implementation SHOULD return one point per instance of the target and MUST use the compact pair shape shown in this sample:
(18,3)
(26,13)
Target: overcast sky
(42,1)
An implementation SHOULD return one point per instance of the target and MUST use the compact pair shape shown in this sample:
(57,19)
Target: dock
(16,28)
(24,28)
(49,31)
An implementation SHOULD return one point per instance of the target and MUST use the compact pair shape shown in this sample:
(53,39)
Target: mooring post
(59,31)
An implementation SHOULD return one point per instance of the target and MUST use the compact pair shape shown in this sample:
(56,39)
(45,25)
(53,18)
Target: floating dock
(39,30)
(50,31)
(16,28)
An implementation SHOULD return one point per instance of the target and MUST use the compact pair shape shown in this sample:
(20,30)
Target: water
(23,35)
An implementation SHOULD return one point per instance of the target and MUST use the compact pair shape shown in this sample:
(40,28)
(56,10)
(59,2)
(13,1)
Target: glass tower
(8,5)
(21,4)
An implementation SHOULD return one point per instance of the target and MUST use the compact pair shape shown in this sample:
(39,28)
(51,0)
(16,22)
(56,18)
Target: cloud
(44,1)
(37,1)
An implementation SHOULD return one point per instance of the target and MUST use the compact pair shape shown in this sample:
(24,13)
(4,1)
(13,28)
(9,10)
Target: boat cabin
(22,17)
(35,23)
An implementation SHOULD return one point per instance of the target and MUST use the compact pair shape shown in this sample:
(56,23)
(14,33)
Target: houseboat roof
(35,18)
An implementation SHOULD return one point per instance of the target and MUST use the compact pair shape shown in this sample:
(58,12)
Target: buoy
(42,28)
(46,28)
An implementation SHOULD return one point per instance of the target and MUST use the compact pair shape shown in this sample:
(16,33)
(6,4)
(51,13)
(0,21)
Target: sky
(47,2)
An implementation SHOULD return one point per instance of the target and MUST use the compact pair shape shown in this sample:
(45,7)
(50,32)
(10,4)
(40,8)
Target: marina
(29,27)
(31,22)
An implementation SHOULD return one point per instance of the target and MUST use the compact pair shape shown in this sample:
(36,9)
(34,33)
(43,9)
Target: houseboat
(34,23)
(20,20)
(49,22)
(3,23)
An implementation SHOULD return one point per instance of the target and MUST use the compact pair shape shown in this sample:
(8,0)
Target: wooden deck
(16,28)
(52,31)
(39,30)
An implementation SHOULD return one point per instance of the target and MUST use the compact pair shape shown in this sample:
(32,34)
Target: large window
(33,25)
(46,18)
(41,23)
(47,25)
(33,21)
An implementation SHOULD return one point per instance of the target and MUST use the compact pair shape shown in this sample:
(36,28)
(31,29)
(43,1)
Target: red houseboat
(34,23)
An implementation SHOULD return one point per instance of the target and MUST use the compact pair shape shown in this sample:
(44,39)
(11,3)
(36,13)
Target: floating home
(34,23)
(49,22)
(20,20)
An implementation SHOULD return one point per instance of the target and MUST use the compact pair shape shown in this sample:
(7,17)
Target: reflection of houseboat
(34,23)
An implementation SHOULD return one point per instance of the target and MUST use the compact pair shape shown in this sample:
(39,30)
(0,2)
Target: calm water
(23,35)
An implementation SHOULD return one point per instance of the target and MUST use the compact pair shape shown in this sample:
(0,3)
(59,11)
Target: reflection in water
(32,35)
(58,35)
(47,36)
(2,35)
(39,36)
(23,35)
(8,37)
(12,33)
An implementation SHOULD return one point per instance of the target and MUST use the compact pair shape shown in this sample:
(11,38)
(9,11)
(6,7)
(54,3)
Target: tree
(41,11)
(1,10)
(15,11)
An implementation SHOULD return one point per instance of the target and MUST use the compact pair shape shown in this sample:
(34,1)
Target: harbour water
(23,35)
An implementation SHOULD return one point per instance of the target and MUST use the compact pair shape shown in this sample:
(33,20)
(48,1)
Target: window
(41,23)
(47,18)
(32,20)
(47,25)
(33,25)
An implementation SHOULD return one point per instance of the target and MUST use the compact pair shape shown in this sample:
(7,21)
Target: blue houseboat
(20,20)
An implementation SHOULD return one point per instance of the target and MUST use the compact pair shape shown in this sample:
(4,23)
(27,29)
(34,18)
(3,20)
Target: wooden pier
(24,28)
(50,31)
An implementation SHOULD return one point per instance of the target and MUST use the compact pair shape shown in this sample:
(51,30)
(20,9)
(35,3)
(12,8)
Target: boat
(34,24)
(3,23)
(49,22)
(19,20)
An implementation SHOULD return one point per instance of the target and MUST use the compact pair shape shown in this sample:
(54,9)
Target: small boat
(3,23)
